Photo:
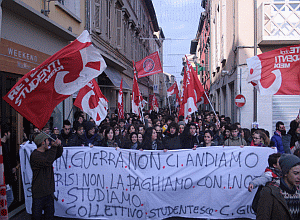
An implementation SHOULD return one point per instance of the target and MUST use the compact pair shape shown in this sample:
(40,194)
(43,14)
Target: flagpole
(48,136)
(167,93)
(211,105)
(70,112)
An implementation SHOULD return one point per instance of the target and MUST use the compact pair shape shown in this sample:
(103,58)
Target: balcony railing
(278,23)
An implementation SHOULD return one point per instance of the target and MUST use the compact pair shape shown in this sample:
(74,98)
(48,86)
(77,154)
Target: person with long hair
(140,138)
(109,140)
(260,139)
(189,138)
(150,140)
(133,143)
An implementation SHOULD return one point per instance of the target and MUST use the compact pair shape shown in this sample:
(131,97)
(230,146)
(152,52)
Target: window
(107,19)
(71,7)
(119,28)
(97,15)
(125,39)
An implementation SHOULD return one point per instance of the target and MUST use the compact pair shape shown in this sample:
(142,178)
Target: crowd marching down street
(157,130)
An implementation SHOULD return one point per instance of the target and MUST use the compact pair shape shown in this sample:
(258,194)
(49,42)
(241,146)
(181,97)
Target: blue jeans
(9,195)
(45,203)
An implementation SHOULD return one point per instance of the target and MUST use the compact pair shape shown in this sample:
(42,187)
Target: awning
(129,81)
(115,77)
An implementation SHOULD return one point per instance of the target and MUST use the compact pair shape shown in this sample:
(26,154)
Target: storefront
(23,46)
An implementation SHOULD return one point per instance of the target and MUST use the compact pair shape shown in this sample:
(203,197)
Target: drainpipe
(0,18)
(255,53)
(87,16)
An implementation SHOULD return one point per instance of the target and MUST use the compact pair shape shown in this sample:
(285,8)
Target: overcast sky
(179,20)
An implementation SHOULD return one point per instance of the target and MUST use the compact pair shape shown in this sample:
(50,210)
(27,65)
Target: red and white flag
(276,72)
(181,108)
(203,100)
(137,100)
(199,90)
(91,100)
(153,102)
(149,65)
(120,102)
(38,92)
(188,105)
(173,90)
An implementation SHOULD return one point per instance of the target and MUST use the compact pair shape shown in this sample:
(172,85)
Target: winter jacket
(270,174)
(235,141)
(155,145)
(94,140)
(78,140)
(286,142)
(171,142)
(203,144)
(65,138)
(281,142)
(272,205)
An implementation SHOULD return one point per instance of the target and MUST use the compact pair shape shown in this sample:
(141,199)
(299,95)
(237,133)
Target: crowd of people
(278,196)
(164,131)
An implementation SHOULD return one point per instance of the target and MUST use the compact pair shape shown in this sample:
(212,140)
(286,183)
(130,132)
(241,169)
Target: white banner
(104,183)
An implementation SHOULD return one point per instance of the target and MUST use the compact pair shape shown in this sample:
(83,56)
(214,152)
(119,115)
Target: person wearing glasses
(260,139)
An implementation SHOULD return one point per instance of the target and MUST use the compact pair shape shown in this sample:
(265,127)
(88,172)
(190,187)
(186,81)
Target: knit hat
(180,123)
(89,126)
(40,138)
(287,161)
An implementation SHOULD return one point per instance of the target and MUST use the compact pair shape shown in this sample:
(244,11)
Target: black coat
(148,145)
(171,142)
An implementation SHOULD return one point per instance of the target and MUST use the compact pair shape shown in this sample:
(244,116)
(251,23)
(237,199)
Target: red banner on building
(276,72)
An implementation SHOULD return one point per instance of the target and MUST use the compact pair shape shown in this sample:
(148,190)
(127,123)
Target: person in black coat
(171,140)
(189,138)
(133,143)
(150,140)
(93,139)
(79,138)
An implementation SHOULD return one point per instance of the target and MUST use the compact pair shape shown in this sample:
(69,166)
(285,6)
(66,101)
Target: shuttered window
(119,28)
(97,15)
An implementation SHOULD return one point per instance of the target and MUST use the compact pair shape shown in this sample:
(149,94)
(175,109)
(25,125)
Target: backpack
(256,199)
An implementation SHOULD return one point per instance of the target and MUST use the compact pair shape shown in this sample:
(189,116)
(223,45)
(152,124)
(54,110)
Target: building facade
(124,31)
(238,30)
(30,32)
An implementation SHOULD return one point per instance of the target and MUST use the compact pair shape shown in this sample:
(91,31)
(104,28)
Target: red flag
(153,102)
(137,99)
(38,92)
(91,100)
(149,65)
(199,90)
(120,102)
(276,72)
(181,107)
(204,99)
(188,105)
(173,90)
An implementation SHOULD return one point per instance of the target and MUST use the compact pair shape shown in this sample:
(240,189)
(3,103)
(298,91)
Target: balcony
(278,23)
